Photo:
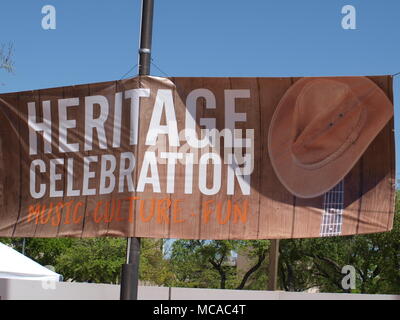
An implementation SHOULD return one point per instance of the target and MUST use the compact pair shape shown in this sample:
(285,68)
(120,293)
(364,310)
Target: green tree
(97,260)
(44,251)
(92,260)
(207,264)
(154,267)
(307,263)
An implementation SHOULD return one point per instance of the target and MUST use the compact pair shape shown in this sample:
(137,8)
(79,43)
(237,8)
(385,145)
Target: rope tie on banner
(167,75)
(152,62)
(129,71)
(159,69)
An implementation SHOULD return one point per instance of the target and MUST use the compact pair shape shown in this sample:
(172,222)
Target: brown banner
(189,158)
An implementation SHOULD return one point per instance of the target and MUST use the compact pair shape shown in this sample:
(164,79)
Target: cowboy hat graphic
(321,128)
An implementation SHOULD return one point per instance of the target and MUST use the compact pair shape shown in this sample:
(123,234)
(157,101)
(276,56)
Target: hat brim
(310,183)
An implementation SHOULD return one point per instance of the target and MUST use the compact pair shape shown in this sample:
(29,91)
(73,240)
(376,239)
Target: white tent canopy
(14,265)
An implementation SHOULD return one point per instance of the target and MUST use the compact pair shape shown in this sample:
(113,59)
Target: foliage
(95,260)
(92,260)
(205,264)
(6,61)
(154,267)
(318,263)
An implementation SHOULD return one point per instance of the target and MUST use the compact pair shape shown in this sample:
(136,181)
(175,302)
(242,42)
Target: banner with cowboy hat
(199,158)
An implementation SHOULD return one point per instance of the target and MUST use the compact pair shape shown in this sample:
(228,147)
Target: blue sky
(98,40)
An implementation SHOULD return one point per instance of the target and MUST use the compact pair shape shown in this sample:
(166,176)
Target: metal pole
(273,265)
(130,270)
(23,245)
(146,37)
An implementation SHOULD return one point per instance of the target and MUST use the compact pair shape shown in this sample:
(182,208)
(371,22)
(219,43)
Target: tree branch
(221,272)
(261,258)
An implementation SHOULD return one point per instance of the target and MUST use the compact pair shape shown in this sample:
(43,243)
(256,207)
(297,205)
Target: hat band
(349,141)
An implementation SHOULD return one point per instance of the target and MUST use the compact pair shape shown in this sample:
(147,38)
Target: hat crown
(328,117)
